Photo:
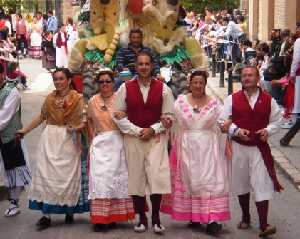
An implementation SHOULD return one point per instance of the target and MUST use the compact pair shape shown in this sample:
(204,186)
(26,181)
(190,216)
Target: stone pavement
(286,158)
(284,209)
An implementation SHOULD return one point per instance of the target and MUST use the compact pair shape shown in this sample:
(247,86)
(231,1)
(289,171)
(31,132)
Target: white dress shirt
(274,120)
(10,108)
(167,108)
(296,58)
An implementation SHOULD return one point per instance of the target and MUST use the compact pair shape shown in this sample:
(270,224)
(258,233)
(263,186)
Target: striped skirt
(105,211)
(35,52)
(185,207)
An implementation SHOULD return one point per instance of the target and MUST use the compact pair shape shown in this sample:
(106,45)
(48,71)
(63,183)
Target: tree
(200,5)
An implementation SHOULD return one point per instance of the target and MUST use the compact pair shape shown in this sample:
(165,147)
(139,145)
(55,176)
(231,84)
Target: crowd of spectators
(223,35)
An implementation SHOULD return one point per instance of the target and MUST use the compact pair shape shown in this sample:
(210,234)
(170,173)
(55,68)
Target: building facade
(265,15)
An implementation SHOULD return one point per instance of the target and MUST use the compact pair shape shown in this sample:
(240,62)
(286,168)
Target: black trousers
(292,132)
(12,154)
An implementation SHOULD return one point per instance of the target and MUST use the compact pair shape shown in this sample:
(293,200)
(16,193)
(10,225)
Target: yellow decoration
(99,41)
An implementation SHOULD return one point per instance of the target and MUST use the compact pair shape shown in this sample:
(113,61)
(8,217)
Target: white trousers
(249,172)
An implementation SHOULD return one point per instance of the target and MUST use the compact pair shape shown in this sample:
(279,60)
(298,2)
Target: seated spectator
(126,57)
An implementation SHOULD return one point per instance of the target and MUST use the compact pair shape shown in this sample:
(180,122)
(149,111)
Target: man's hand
(243,134)
(166,122)
(264,135)
(146,134)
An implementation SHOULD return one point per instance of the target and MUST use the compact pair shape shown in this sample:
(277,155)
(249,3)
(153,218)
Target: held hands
(264,135)
(243,134)
(225,125)
(20,134)
(146,134)
(166,122)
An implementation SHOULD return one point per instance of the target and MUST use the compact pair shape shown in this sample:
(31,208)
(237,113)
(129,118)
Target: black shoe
(213,228)
(43,223)
(69,219)
(194,224)
(100,227)
(284,143)
(112,225)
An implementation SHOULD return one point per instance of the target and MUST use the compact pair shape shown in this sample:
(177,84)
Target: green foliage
(199,5)
(10,4)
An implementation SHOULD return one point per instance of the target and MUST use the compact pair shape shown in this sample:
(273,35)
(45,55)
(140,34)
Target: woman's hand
(20,134)
(119,115)
(70,129)
(225,126)
(166,122)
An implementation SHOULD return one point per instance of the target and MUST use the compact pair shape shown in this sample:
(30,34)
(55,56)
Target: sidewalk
(286,158)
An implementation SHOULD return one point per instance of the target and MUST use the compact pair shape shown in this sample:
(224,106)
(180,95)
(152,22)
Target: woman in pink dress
(199,167)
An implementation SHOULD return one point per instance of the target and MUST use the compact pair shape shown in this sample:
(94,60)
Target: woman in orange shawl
(56,184)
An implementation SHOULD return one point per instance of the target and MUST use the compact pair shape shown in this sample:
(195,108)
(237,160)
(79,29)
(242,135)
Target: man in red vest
(147,102)
(255,116)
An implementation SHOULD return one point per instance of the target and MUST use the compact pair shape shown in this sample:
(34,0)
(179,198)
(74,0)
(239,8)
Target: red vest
(144,114)
(251,119)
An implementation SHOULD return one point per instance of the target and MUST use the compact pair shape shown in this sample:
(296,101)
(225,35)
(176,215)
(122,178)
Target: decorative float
(107,28)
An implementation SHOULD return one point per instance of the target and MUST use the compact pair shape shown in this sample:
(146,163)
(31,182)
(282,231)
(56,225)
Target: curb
(281,161)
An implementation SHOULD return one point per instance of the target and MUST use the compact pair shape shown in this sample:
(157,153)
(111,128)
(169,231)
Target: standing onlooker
(13,17)
(3,28)
(36,29)
(233,32)
(52,23)
(72,34)
(8,25)
(48,49)
(285,35)
(275,42)
(39,17)
(61,48)
(21,35)
(294,76)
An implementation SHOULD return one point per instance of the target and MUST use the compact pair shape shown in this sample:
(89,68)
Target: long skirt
(35,52)
(56,182)
(185,207)
(108,180)
(61,59)
(48,58)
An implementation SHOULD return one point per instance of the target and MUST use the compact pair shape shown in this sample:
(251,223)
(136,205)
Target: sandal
(270,230)
(243,225)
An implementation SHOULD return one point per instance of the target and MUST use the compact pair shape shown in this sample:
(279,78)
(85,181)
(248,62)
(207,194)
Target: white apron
(56,178)
(108,176)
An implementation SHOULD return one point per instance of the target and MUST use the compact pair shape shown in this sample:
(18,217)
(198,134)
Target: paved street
(284,212)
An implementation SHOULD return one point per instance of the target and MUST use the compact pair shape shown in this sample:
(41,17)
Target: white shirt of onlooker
(233,30)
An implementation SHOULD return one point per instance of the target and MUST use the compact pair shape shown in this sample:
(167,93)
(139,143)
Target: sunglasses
(104,81)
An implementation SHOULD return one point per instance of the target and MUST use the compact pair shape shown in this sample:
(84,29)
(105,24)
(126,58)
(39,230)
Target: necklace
(104,100)
(60,102)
